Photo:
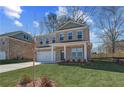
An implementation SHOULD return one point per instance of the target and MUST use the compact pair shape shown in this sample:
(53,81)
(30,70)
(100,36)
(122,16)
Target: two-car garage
(46,56)
(2,55)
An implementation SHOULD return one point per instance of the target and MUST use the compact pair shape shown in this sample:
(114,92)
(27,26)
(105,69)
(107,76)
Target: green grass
(11,61)
(94,74)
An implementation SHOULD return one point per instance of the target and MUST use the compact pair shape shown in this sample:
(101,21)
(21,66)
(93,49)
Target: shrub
(79,60)
(84,61)
(25,79)
(73,60)
(45,82)
(68,61)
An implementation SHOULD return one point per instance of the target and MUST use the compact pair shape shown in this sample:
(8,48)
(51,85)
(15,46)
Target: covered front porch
(69,51)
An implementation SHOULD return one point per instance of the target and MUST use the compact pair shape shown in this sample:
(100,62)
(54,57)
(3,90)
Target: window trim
(71,35)
(78,35)
(61,37)
(54,38)
(76,51)
(41,40)
(47,40)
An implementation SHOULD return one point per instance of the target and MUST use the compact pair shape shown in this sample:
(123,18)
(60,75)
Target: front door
(62,55)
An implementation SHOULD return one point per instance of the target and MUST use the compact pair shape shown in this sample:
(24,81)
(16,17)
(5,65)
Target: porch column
(85,51)
(64,52)
(52,54)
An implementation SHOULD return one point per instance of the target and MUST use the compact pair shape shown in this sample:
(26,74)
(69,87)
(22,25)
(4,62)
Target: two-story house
(70,41)
(16,45)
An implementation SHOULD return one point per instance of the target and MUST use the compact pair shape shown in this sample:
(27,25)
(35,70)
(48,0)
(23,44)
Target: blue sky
(27,18)
(22,18)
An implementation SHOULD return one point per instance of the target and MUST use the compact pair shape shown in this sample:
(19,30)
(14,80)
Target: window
(41,41)
(77,53)
(24,36)
(2,42)
(61,36)
(27,37)
(69,35)
(79,35)
(47,41)
(54,40)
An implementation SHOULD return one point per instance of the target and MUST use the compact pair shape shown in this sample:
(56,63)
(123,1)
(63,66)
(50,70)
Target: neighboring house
(70,41)
(119,47)
(16,45)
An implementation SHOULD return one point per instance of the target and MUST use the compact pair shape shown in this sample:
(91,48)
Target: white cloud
(13,12)
(92,35)
(46,13)
(36,24)
(90,21)
(17,23)
(61,11)
(29,32)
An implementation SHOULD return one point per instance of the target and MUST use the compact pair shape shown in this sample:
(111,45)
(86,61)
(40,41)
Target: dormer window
(79,35)
(47,41)
(61,36)
(54,40)
(69,35)
(26,37)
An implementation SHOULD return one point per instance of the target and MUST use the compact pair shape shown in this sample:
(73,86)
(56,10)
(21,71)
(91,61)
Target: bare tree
(75,13)
(111,23)
(81,14)
(51,22)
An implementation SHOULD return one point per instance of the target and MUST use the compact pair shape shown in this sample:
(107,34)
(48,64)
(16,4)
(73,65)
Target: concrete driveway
(11,67)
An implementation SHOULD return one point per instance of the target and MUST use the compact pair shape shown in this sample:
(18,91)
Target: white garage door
(45,57)
(2,55)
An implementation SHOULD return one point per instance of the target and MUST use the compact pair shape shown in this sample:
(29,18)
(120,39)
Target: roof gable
(12,33)
(69,25)
(19,35)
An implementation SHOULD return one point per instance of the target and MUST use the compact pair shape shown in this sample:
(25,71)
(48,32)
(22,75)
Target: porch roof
(69,43)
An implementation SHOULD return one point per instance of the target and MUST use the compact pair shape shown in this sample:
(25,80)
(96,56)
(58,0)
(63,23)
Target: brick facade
(4,45)
(56,34)
(20,49)
(15,48)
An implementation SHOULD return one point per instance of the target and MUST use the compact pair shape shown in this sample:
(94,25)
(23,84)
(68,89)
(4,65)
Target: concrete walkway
(11,67)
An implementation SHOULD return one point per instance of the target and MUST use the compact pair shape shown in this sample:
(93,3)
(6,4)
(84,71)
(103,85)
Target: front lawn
(91,74)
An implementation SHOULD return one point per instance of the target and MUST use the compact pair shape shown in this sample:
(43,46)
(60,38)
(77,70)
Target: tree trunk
(113,47)
(113,50)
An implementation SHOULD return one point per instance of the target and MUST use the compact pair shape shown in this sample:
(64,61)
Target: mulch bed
(37,83)
(42,82)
